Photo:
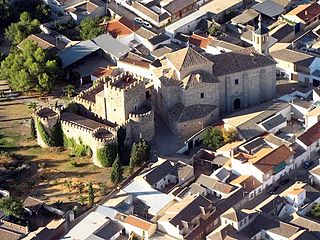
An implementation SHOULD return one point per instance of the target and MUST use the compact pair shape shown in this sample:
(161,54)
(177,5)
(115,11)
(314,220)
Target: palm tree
(69,90)
(33,105)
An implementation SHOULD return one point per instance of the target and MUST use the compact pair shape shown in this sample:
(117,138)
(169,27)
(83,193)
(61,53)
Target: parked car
(284,181)
(307,164)
(274,189)
(138,20)
(147,24)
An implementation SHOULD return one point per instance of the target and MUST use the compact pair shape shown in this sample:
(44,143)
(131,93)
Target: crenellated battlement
(68,124)
(46,114)
(146,112)
(104,135)
(123,82)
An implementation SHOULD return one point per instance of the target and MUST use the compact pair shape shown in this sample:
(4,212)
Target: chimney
(203,211)
(306,12)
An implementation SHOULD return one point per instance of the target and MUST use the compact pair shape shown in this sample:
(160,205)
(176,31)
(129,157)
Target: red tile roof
(306,12)
(311,135)
(199,41)
(273,159)
(120,27)
(138,222)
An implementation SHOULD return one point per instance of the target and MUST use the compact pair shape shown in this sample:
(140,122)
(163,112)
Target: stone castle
(98,112)
(189,90)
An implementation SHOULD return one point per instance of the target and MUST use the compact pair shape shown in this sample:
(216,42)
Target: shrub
(44,135)
(107,154)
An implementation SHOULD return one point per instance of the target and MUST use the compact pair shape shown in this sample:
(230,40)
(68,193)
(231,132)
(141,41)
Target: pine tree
(90,194)
(33,129)
(117,171)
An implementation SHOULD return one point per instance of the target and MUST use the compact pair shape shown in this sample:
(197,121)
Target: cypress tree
(117,171)
(90,194)
(33,129)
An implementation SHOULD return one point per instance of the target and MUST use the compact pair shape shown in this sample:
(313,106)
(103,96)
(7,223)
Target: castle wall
(254,86)
(189,128)
(192,95)
(142,124)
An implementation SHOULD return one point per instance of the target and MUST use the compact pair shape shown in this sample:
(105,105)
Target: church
(193,89)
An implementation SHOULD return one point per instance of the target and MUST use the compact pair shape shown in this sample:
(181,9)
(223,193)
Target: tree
(229,136)
(33,129)
(81,199)
(107,154)
(139,154)
(11,208)
(214,30)
(90,194)
(213,138)
(4,13)
(29,69)
(69,90)
(89,28)
(57,135)
(315,211)
(36,8)
(117,171)
(18,31)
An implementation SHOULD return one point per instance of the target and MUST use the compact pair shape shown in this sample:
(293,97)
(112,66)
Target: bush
(44,135)
(107,154)
(78,149)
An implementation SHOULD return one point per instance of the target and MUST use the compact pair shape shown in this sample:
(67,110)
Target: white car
(147,24)
(138,20)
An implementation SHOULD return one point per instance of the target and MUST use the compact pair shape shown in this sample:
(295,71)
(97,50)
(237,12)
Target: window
(236,81)
(202,95)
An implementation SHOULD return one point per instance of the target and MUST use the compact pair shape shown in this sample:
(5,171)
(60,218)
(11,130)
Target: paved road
(166,143)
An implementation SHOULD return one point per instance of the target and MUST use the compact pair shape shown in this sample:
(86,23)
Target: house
(267,165)
(310,139)
(53,44)
(98,224)
(295,195)
(247,18)
(142,191)
(184,215)
(88,8)
(266,227)
(180,8)
(214,187)
(236,218)
(138,226)
(296,65)
(269,8)
(121,28)
(246,122)
(249,184)
(217,9)
(165,173)
(315,173)
(304,15)
(225,232)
